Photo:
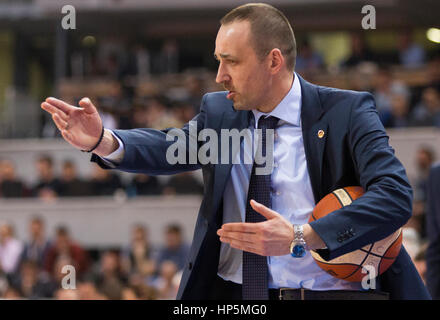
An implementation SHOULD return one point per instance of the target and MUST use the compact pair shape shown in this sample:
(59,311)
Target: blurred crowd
(163,91)
(101,182)
(36,268)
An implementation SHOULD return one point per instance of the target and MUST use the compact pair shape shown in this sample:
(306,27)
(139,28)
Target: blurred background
(147,63)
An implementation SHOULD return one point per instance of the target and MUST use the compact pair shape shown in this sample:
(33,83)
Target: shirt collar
(289,109)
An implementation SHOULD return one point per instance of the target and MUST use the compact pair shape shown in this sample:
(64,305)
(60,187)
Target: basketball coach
(324,139)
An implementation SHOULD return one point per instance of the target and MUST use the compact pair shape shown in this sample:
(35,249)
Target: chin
(241,107)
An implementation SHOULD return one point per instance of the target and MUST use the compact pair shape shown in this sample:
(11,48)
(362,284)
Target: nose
(222,74)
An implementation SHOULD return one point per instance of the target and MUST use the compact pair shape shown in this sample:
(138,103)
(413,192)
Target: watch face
(298,251)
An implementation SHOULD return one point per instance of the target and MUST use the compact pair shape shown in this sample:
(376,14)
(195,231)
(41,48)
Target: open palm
(80,126)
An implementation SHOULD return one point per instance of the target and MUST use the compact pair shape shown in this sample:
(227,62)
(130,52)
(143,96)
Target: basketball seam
(378,267)
(378,256)
(360,265)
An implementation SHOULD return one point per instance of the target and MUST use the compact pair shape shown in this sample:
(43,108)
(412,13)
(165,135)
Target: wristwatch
(298,245)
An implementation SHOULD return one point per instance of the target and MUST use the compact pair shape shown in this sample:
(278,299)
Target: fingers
(240,245)
(52,110)
(248,238)
(63,106)
(249,248)
(87,105)
(60,123)
(241,227)
(263,210)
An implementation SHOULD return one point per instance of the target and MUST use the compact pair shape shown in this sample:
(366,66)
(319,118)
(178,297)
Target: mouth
(230,95)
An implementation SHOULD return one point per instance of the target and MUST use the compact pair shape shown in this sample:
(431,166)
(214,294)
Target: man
(64,247)
(36,248)
(175,249)
(433,230)
(10,250)
(324,139)
(47,186)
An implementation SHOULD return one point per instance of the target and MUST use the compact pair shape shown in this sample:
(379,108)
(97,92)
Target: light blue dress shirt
(292,197)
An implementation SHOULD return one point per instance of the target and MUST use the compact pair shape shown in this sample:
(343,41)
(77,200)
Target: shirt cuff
(116,156)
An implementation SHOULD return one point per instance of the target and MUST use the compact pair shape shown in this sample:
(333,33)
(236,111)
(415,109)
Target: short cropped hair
(270,29)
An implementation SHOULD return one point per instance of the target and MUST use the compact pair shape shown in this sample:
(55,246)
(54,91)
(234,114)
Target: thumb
(87,105)
(263,210)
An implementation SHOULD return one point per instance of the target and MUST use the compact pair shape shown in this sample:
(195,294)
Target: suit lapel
(315,132)
(232,119)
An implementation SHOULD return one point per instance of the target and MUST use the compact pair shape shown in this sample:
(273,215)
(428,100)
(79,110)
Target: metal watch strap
(298,234)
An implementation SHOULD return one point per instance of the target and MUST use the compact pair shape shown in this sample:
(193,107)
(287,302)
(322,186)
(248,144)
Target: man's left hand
(268,238)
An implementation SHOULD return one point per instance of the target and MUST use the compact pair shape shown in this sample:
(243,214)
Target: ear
(276,60)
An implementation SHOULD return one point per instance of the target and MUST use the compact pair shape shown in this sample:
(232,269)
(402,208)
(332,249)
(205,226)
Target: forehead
(233,38)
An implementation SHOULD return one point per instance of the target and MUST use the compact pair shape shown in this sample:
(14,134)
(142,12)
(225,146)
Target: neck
(280,87)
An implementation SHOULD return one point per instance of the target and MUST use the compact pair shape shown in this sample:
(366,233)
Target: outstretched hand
(268,238)
(81,127)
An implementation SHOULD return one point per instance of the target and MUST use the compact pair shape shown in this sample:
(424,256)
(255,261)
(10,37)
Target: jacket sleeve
(387,202)
(155,152)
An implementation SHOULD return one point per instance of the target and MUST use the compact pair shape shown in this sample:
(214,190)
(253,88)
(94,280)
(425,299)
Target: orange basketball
(380,254)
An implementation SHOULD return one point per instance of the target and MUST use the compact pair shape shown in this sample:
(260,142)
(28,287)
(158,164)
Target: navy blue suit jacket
(353,151)
(433,228)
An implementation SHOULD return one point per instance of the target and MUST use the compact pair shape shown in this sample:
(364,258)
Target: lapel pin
(320,134)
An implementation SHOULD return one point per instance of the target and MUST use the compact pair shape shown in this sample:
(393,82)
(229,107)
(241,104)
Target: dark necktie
(255,270)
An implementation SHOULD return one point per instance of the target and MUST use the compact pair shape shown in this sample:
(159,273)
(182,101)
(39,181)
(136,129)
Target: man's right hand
(82,126)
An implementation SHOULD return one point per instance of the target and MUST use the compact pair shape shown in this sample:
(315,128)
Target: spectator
(169,57)
(138,63)
(399,113)
(158,116)
(36,248)
(139,291)
(10,185)
(87,290)
(64,246)
(195,88)
(424,160)
(110,281)
(11,293)
(359,52)
(183,112)
(308,60)
(104,182)
(66,294)
(175,249)
(137,257)
(143,185)
(427,112)
(10,250)
(47,186)
(385,88)
(70,184)
(59,273)
(183,183)
(411,55)
(166,287)
(31,283)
